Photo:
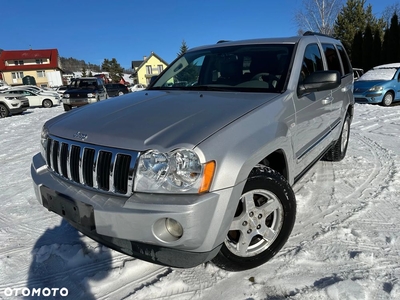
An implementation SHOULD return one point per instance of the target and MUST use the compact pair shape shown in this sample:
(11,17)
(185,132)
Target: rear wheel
(4,112)
(67,107)
(263,221)
(47,103)
(387,99)
(339,149)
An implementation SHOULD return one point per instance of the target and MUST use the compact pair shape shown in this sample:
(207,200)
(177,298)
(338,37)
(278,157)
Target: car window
(345,60)
(253,68)
(312,62)
(332,58)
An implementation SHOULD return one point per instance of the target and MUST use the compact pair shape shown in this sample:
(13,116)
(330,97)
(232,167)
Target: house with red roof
(16,64)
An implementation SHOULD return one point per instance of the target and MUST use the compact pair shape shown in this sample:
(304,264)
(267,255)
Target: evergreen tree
(394,40)
(385,48)
(353,18)
(83,70)
(183,48)
(367,45)
(90,74)
(357,50)
(376,48)
(113,68)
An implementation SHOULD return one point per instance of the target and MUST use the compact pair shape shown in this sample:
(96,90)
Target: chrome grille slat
(108,169)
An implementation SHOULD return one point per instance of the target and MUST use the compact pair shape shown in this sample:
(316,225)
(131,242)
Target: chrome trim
(87,159)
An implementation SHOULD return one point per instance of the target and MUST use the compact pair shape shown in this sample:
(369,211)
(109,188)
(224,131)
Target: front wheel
(47,103)
(67,107)
(387,99)
(263,221)
(4,112)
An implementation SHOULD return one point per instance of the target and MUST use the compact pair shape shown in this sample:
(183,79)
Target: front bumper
(78,101)
(132,225)
(368,97)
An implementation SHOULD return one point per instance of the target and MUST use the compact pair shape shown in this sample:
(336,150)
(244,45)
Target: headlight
(174,172)
(91,95)
(65,95)
(10,98)
(376,89)
(44,138)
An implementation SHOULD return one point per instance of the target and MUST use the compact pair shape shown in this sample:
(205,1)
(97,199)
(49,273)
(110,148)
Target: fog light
(174,227)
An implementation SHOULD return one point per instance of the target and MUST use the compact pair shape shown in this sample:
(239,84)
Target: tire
(338,151)
(267,207)
(4,112)
(387,99)
(67,107)
(47,103)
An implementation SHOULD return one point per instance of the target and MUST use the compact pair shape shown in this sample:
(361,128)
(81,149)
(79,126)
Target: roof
(388,66)
(143,62)
(8,55)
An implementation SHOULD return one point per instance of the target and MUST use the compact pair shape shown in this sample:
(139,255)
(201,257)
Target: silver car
(201,165)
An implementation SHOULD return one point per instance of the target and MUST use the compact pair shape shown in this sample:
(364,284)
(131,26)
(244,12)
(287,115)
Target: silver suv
(11,104)
(200,166)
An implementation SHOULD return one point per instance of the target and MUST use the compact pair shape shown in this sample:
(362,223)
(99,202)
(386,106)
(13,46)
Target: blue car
(381,85)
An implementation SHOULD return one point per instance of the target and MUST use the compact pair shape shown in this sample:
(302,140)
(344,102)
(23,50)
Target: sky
(129,30)
(345,244)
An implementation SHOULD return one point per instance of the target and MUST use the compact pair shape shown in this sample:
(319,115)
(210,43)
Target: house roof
(7,55)
(143,62)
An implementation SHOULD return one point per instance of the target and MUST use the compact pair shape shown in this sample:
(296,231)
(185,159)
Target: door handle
(327,100)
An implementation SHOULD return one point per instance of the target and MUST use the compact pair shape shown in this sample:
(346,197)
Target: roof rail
(222,41)
(315,33)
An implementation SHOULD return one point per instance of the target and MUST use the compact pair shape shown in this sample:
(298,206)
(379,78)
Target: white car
(36,89)
(138,87)
(36,99)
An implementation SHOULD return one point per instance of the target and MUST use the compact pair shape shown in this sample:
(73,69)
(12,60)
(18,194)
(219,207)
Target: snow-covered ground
(345,244)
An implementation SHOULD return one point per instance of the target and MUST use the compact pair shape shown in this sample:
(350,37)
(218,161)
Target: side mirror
(320,81)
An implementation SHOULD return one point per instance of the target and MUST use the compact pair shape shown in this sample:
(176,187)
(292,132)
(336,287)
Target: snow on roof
(379,74)
(393,65)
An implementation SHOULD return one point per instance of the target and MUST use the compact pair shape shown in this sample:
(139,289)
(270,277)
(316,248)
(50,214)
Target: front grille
(360,100)
(102,168)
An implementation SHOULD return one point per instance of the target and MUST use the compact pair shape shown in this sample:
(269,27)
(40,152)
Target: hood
(364,85)
(79,91)
(155,119)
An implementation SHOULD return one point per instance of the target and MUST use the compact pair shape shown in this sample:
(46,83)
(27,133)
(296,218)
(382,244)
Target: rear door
(312,112)
(337,60)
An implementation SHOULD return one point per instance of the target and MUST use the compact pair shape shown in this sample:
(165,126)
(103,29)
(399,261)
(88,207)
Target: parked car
(4,85)
(183,175)
(116,89)
(357,73)
(12,105)
(381,85)
(138,87)
(61,89)
(84,91)
(36,99)
(38,90)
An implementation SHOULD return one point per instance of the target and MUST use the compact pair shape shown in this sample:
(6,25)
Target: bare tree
(318,15)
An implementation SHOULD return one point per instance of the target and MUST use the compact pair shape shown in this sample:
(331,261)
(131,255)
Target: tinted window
(332,58)
(345,60)
(312,62)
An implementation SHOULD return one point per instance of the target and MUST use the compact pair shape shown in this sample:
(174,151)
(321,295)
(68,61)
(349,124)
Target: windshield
(379,74)
(254,68)
(83,84)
